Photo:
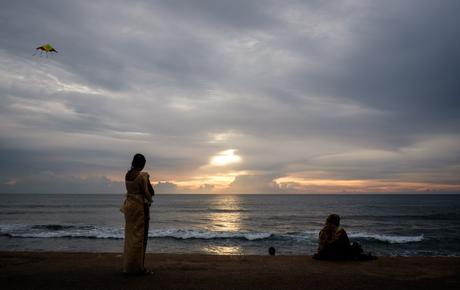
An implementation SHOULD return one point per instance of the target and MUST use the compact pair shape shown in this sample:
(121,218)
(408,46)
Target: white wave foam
(388,238)
(92,232)
(207,235)
(312,235)
(24,231)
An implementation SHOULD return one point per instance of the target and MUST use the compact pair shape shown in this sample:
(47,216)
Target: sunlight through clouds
(248,97)
(226,157)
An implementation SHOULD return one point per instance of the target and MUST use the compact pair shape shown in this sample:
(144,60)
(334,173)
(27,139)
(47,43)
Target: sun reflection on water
(225,215)
(223,250)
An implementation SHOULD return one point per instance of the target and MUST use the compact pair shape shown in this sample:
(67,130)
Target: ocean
(390,225)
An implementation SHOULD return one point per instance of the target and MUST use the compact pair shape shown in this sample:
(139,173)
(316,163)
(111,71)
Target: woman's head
(138,162)
(333,219)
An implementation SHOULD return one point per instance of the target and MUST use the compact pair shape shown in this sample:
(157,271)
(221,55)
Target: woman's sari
(136,210)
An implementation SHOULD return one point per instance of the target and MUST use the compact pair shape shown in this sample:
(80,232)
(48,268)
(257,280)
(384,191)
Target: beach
(54,270)
(221,242)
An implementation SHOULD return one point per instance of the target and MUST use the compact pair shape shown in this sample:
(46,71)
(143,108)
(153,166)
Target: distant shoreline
(54,270)
(179,254)
(257,194)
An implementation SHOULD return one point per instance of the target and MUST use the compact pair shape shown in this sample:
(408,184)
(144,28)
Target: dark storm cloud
(226,15)
(325,89)
(404,60)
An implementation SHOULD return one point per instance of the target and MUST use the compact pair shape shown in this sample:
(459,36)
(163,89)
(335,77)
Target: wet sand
(40,270)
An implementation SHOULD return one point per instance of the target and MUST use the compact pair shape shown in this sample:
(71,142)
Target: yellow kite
(47,48)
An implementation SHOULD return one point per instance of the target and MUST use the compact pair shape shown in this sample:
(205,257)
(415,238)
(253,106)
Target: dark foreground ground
(102,271)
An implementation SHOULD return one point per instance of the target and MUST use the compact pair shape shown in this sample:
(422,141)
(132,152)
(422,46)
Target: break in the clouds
(231,96)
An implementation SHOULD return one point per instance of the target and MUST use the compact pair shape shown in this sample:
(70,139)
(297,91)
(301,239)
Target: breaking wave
(185,234)
(392,239)
(98,232)
(91,232)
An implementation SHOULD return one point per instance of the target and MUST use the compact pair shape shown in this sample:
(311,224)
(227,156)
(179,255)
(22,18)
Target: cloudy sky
(231,96)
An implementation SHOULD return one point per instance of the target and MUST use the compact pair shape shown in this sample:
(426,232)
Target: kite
(47,48)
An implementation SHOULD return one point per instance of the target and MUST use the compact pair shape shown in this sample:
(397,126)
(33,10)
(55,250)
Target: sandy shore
(102,271)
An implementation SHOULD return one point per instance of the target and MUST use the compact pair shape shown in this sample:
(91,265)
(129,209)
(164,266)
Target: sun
(224,158)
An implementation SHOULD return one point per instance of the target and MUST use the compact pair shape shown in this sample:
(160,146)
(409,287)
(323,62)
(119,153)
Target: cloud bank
(231,96)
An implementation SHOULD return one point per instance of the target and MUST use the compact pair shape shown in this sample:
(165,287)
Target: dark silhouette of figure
(334,243)
(271,251)
(136,209)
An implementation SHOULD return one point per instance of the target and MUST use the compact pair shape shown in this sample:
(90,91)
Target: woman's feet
(145,272)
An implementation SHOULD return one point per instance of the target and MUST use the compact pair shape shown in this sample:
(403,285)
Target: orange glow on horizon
(360,186)
(220,182)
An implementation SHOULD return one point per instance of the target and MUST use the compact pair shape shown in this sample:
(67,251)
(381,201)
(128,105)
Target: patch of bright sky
(224,158)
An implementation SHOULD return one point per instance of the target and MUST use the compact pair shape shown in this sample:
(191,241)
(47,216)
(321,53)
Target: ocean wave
(100,232)
(91,232)
(215,210)
(54,227)
(185,234)
(392,239)
(60,231)
(433,216)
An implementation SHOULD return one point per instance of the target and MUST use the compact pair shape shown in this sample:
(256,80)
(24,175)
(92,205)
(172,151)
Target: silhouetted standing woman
(136,209)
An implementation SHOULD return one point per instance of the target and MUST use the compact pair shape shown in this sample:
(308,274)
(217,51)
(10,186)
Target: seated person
(334,244)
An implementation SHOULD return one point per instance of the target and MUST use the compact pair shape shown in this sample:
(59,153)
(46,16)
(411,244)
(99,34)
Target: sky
(232,96)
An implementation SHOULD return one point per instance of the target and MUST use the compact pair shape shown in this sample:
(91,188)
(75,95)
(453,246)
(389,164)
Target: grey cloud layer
(351,89)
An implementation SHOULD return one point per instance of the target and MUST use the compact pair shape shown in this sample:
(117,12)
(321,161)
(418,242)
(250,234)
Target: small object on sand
(271,251)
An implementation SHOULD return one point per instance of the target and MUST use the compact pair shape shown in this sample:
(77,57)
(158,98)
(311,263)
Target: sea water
(392,225)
